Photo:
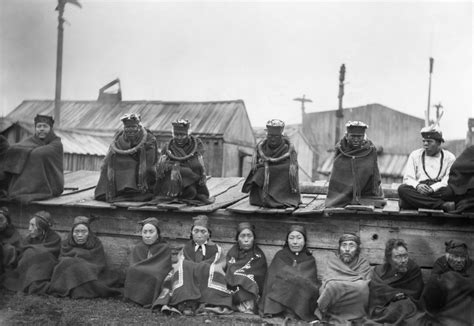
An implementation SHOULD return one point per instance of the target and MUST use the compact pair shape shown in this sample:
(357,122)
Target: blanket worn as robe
(81,271)
(149,265)
(385,283)
(190,280)
(35,266)
(246,270)
(291,284)
(35,167)
(273,180)
(128,171)
(11,246)
(344,294)
(461,180)
(449,295)
(355,177)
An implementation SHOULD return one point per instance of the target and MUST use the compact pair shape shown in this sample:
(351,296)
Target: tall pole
(59,63)
(303,100)
(427,118)
(339,112)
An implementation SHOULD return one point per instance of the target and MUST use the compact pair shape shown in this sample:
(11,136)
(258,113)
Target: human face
(42,130)
(149,234)
(431,146)
(457,262)
(246,239)
(80,233)
(355,140)
(348,251)
(274,140)
(200,234)
(131,130)
(181,138)
(295,241)
(33,228)
(399,259)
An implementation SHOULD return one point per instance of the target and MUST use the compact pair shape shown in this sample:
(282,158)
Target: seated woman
(246,269)
(37,257)
(150,262)
(197,284)
(81,271)
(291,287)
(10,241)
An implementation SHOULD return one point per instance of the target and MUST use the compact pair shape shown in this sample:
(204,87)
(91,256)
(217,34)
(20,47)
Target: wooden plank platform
(116,224)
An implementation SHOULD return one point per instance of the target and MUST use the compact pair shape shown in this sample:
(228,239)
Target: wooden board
(79,181)
(244,207)
(315,205)
(392,207)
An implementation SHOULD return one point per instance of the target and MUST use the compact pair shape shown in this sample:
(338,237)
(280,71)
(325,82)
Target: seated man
(35,165)
(273,179)
(128,171)
(181,171)
(344,295)
(395,286)
(449,293)
(355,177)
(426,174)
(461,180)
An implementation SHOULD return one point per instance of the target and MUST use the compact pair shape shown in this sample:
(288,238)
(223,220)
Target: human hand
(424,189)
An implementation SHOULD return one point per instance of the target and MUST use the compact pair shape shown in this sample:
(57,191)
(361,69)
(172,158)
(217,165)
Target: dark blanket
(187,167)
(461,180)
(128,171)
(36,168)
(149,266)
(199,281)
(11,246)
(291,284)
(35,265)
(281,170)
(355,177)
(449,295)
(81,271)
(383,287)
(246,271)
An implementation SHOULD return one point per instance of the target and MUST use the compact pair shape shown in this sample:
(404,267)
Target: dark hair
(158,231)
(305,249)
(251,230)
(392,244)
(191,233)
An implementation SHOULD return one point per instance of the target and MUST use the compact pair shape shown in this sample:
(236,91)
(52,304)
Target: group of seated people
(202,279)
(135,169)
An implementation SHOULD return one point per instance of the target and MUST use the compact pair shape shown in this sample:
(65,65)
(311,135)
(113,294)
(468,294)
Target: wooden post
(339,112)
(59,63)
(427,118)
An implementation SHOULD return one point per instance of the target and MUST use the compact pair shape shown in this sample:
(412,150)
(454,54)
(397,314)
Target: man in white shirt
(426,174)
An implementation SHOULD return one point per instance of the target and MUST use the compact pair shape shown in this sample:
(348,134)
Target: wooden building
(223,126)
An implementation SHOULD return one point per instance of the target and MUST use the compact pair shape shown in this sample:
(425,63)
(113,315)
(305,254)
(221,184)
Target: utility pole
(427,118)
(339,112)
(59,57)
(303,100)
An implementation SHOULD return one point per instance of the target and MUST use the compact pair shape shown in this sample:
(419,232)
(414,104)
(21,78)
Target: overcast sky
(265,53)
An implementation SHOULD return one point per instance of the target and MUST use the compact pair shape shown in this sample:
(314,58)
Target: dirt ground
(20,309)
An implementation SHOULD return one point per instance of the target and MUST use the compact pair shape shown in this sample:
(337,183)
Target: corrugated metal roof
(390,165)
(211,118)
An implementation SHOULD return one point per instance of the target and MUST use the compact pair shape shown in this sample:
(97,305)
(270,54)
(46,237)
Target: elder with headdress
(150,262)
(273,180)
(35,165)
(425,182)
(246,269)
(395,287)
(181,170)
(197,284)
(128,172)
(291,286)
(355,177)
(81,271)
(344,295)
(37,257)
(10,241)
(448,296)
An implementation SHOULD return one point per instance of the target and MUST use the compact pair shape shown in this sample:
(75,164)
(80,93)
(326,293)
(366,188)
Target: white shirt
(203,248)
(414,172)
